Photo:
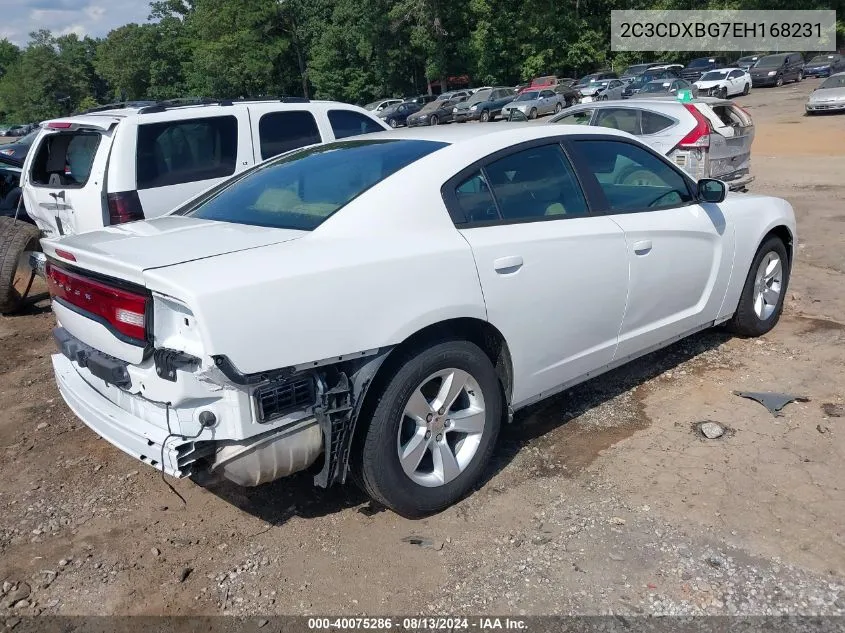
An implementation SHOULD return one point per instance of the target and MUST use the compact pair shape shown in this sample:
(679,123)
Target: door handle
(507,265)
(642,247)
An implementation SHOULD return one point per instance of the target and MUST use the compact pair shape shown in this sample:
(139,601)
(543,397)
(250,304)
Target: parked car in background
(586,80)
(708,138)
(565,81)
(697,67)
(421,100)
(602,90)
(776,70)
(484,105)
(535,103)
(434,113)
(636,70)
(829,96)
(113,166)
(542,268)
(724,83)
(824,65)
(397,115)
(10,190)
(381,104)
(454,95)
(4,129)
(666,88)
(652,74)
(538,83)
(19,148)
(19,130)
(748,61)
(569,93)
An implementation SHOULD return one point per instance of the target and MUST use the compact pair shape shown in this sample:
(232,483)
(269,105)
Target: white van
(117,165)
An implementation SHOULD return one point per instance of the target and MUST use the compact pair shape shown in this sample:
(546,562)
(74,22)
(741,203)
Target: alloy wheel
(441,428)
(767,286)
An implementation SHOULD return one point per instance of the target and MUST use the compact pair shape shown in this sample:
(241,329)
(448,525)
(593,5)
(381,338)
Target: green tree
(125,60)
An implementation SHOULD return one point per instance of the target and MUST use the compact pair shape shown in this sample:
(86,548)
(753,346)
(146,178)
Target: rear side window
(191,150)
(348,123)
(65,159)
(302,189)
(536,183)
(281,132)
(624,119)
(652,123)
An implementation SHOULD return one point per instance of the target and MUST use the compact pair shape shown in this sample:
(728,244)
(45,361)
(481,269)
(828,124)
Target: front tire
(434,120)
(761,302)
(433,429)
(800,76)
(779,81)
(746,89)
(392,123)
(533,113)
(485,116)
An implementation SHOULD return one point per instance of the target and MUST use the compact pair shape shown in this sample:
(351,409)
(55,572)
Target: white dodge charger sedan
(378,306)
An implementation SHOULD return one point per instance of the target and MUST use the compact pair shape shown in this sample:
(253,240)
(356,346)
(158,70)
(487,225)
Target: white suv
(116,165)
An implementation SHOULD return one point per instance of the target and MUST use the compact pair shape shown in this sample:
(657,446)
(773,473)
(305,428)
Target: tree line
(349,50)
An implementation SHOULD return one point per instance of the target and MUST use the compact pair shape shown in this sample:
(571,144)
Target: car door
(547,101)
(554,277)
(614,90)
(680,252)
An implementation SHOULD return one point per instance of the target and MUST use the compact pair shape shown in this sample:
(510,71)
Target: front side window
(631,177)
(280,132)
(302,189)
(535,183)
(348,123)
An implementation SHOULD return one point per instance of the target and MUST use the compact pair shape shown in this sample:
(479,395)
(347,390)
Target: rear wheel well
(486,336)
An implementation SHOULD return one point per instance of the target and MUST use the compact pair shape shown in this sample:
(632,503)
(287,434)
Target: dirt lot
(603,499)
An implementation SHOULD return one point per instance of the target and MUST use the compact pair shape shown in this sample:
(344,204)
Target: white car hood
(125,251)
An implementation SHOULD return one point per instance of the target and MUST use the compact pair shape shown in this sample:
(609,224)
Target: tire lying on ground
(15,274)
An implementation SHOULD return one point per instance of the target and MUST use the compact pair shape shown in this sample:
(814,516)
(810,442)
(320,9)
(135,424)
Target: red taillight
(123,310)
(699,136)
(125,206)
(59,125)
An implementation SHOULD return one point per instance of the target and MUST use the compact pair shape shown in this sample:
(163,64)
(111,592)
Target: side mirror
(711,190)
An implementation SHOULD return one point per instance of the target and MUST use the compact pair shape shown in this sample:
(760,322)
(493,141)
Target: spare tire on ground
(16,238)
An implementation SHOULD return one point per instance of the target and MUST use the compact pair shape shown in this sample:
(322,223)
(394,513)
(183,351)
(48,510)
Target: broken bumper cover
(129,433)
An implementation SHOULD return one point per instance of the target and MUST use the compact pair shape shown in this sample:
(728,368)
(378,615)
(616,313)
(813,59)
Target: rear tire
(16,238)
(755,316)
(558,107)
(418,490)
(800,75)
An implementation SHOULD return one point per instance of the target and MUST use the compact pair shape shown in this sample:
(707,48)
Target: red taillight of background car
(699,136)
(125,206)
(124,311)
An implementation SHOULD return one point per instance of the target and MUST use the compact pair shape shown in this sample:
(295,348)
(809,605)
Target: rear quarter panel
(753,217)
(351,285)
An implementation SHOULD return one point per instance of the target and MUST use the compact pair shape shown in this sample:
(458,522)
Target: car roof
(181,111)
(456,134)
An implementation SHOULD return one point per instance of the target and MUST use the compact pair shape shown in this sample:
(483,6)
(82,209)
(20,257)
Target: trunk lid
(125,251)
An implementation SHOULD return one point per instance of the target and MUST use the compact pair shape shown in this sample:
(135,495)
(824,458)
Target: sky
(83,17)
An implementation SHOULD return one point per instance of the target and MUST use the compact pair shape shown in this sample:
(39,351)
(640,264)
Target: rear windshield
(301,190)
(65,159)
(714,75)
(188,150)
